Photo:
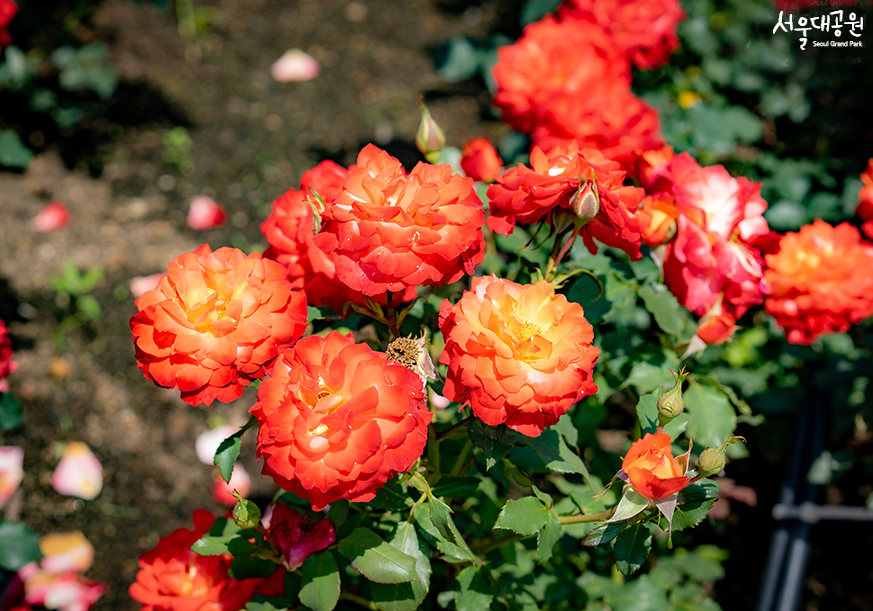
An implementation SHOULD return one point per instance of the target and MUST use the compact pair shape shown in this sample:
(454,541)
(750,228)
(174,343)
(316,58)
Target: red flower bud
(480,160)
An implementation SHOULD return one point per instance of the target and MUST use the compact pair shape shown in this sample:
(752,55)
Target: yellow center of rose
(527,331)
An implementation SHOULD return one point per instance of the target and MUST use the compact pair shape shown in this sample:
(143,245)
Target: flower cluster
(568,79)
(714,265)
(216,322)
(338,420)
(173,578)
(821,281)
(519,355)
(583,183)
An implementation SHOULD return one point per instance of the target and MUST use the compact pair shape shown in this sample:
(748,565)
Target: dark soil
(252,137)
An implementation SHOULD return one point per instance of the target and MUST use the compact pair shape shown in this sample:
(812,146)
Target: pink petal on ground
(295,65)
(66,552)
(53,216)
(11,471)
(139,285)
(204,213)
(79,473)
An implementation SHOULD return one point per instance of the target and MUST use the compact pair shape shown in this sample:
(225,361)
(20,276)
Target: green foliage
(321,582)
(20,546)
(10,412)
(377,560)
(73,290)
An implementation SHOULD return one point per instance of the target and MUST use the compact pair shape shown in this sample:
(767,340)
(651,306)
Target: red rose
(480,161)
(8,9)
(215,322)
(557,180)
(520,355)
(821,281)
(572,57)
(657,217)
(173,578)
(645,30)
(651,468)
(7,365)
(388,231)
(716,328)
(296,539)
(338,420)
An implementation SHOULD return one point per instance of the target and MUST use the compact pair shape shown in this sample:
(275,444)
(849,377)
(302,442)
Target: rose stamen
(527,331)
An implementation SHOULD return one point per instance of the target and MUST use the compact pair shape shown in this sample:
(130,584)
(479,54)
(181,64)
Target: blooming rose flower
(338,420)
(572,57)
(557,180)
(644,29)
(657,217)
(296,539)
(651,468)
(204,213)
(53,216)
(216,322)
(11,471)
(714,255)
(240,481)
(610,118)
(388,231)
(520,355)
(716,328)
(480,161)
(79,473)
(173,578)
(865,200)
(295,65)
(821,281)
(7,365)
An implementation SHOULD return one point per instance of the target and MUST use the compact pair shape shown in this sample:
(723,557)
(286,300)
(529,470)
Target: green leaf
(20,546)
(496,442)
(227,453)
(10,412)
(246,564)
(320,589)
(630,505)
(217,540)
(405,596)
(711,417)
(549,535)
(392,497)
(534,10)
(695,501)
(475,592)
(631,548)
(452,552)
(456,486)
(375,559)
(640,594)
(459,60)
(661,303)
(557,455)
(525,516)
(647,412)
(603,534)
(440,514)
(13,153)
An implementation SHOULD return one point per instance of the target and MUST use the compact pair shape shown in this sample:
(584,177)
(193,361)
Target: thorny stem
(592,517)
(391,316)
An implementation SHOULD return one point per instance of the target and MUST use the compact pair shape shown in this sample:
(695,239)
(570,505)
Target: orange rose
(555,180)
(821,281)
(865,200)
(388,231)
(657,216)
(338,420)
(716,328)
(215,322)
(520,355)
(480,161)
(173,578)
(651,468)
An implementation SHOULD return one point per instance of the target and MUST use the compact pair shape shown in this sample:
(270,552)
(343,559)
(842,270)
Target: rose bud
(430,138)
(712,460)
(652,469)
(716,328)
(245,513)
(585,203)
(480,160)
(53,216)
(672,402)
(295,65)
(204,213)
(79,473)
